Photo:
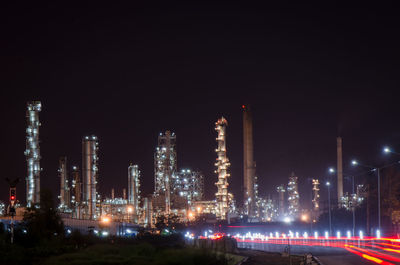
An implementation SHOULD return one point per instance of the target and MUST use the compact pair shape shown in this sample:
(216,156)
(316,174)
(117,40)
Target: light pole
(355,163)
(328,184)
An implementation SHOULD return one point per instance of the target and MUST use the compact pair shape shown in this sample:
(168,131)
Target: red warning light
(243,106)
(12,198)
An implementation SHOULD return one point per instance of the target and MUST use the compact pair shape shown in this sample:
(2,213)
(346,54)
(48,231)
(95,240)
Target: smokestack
(249,166)
(339,169)
(112,194)
(124,194)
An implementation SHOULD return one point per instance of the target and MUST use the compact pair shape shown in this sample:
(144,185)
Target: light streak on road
(376,249)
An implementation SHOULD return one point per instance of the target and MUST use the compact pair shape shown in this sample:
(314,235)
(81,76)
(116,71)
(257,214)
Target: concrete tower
(223,198)
(32,153)
(89,171)
(339,170)
(249,166)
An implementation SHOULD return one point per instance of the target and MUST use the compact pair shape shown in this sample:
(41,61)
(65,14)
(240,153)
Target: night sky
(127,73)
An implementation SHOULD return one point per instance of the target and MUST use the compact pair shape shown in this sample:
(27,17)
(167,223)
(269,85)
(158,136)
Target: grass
(138,254)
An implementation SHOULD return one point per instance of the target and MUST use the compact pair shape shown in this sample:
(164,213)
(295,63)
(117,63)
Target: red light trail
(378,250)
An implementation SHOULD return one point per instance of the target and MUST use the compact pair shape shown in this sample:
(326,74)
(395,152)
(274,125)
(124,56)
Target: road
(333,252)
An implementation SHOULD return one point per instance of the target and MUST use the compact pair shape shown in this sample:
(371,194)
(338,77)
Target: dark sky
(126,73)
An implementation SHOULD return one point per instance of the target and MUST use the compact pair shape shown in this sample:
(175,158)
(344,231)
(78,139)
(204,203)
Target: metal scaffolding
(165,167)
(189,185)
(32,153)
(222,196)
(293,196)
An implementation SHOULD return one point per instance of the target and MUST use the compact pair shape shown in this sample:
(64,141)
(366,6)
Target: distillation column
(133,188)
(32,153)
(339,170)
(89,171)
(64,185)
(222,164)
(281,200)
(249,166)
(76,186)
(315,200)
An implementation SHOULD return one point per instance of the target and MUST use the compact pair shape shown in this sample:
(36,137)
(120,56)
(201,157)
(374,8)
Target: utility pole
(13,200)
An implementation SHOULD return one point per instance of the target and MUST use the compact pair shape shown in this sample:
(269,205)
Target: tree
(43,222)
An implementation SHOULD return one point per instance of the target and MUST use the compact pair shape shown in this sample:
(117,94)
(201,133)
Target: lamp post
(328,184)
(377,169)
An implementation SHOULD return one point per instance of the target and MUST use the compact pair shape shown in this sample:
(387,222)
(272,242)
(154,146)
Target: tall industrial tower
(281,200)
(222,196)
(315,189)
(293,196)
(76,197)
(133,188)
(315,200)
(165,167)
(32,153)
(249,166)
(65,199)
(89,171)
(339,170)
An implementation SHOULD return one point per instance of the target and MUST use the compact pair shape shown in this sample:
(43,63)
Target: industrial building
(32,153)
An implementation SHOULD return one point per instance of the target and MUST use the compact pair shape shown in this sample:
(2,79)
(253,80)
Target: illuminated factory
(174,191)
(32,153)
(177,192)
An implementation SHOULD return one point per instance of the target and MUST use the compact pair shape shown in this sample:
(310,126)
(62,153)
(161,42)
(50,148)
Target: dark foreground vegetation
(41,239)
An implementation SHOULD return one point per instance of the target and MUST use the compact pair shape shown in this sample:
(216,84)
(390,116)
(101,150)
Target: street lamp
(388,150)
(328,184)
(355,163)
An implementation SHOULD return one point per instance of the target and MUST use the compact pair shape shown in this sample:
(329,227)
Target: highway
(330,251)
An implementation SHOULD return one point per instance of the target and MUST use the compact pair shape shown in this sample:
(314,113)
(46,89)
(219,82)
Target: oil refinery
(178,192)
